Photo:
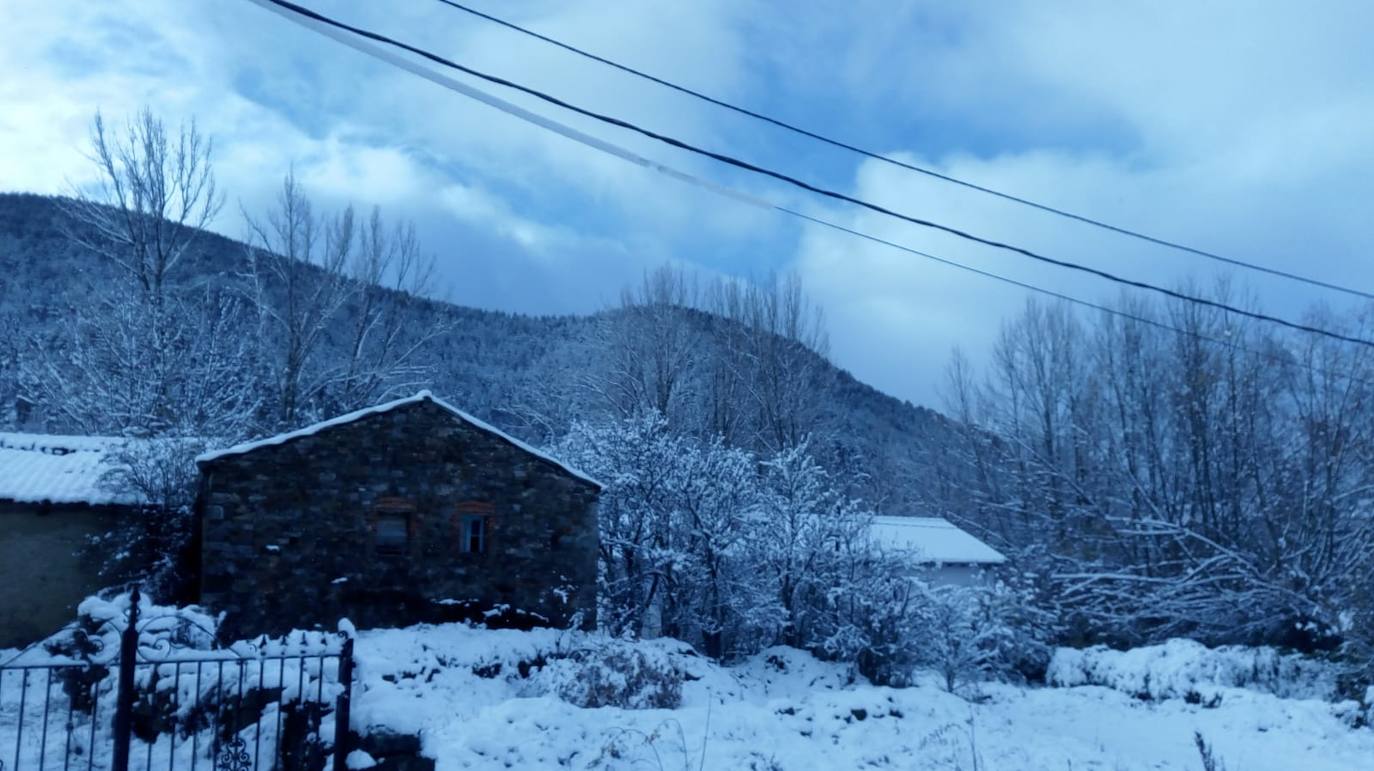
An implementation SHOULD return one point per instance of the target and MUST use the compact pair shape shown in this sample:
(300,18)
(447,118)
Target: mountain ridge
(496,364)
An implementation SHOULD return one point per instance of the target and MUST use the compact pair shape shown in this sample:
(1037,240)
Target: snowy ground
(464,691)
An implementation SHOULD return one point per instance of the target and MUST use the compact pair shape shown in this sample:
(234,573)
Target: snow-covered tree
(633,458)
(1210,482)
(806,527)
(156,357)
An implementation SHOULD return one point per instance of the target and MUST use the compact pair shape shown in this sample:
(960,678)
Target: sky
(1237,127)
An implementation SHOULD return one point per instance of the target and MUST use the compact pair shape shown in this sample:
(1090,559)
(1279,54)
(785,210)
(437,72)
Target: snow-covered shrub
(964,631)
(94,635)
(980,631)
(152,546)
(619,674)
(808,531)
(871,617)
(1180,667)
(702,542)
(92,641)
(890,624)
(1357,647)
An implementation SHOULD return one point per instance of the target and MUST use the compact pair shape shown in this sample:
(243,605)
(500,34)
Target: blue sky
(1241,127)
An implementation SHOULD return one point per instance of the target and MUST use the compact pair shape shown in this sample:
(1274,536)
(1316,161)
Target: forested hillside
(530,375)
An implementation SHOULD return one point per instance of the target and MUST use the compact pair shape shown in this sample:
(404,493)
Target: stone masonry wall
(45,568)
(287,530)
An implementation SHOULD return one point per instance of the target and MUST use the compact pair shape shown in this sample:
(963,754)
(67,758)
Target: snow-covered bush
(1180,668)
(1357,648)
(891,625)
(980,631)
(152,545)
(871,616)
(706,543)
(808,530)
(94,635)
(963,632)
(619,674)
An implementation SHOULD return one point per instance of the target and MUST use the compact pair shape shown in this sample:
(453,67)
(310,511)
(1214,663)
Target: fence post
(342,733)
(124,698)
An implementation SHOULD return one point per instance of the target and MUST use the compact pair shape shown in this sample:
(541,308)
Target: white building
(940,551)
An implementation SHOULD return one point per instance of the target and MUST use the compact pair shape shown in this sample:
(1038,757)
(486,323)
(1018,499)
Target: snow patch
(360,759)
(1184,668)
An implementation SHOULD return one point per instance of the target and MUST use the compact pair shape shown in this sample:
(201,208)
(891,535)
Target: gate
(273,704)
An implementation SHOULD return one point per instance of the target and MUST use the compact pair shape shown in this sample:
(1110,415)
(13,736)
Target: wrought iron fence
(161,703)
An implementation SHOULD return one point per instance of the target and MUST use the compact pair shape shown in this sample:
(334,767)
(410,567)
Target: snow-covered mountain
(526,374)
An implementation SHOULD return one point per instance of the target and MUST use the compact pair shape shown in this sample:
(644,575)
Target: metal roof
(932,539)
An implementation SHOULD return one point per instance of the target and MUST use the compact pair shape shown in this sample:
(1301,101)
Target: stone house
(55,496)
(410,511)
(937,549)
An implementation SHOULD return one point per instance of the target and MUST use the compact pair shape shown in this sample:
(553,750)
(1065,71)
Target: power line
(1067,298)
(624,154)
(1119,229)
(729,160)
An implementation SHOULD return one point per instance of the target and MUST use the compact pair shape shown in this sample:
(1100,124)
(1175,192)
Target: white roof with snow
(932,539)
(356,415)
(60,469)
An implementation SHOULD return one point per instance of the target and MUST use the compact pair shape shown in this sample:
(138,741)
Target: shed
(937,546)
(406,512)
(54,497)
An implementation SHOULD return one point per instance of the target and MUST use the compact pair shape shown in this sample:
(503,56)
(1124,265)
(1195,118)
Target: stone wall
(288,530)
(46,569)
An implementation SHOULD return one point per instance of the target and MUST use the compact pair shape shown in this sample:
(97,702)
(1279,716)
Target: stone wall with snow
(405,513)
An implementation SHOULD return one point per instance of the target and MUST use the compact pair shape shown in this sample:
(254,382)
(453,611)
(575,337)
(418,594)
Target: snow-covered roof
(60,469)
(932,539)
(356,415)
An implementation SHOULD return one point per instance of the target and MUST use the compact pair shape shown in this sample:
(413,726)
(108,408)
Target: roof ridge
(378,409)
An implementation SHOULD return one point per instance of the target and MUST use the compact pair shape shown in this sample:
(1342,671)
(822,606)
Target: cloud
(1238,132)
(1235,127)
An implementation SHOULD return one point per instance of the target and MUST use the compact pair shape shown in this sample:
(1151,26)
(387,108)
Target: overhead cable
(338,31)
(929,172)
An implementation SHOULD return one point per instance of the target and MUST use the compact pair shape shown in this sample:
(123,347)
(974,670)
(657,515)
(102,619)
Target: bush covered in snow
(94,634)
(891,625)
(1184,669)
(619,674)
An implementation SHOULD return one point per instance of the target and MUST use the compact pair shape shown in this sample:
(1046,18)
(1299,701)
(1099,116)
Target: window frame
(466,533)
(392,509)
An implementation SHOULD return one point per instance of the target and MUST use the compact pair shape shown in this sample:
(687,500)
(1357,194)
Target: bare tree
(142,359)
(155,195)
(775,345)
(391,276)
(651,350)
(298,263)
(1165,483)
(153,358)
(341,306)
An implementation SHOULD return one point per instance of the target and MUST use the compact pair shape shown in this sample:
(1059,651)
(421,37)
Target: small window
(473,535)
(391,533)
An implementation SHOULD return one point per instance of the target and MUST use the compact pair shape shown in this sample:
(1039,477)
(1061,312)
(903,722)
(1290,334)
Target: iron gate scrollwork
(168,700)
